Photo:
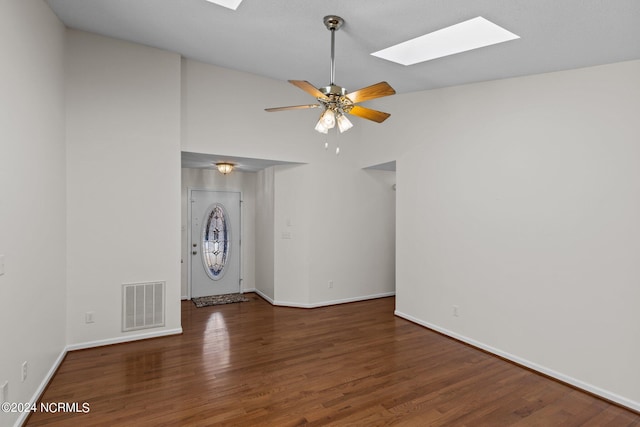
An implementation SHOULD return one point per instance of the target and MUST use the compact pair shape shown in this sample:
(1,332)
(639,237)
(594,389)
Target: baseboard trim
(333,302)
(263,296)
(589,388)
(124,339)
(43,385)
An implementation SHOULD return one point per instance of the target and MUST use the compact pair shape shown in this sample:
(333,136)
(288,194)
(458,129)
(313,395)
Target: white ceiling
(244,164)
(286,39)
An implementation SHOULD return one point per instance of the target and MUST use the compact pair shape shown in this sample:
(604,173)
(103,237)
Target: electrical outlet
(88,317)
(25,367)
(1,265)
(4,392)
(456,311)
(330,284)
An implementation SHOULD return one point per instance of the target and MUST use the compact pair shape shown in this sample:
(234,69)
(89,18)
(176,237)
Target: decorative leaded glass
(215,241)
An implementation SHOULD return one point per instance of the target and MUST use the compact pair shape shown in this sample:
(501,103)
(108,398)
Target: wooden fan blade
(369,114)
(293,107)
(377,90)
(309,88)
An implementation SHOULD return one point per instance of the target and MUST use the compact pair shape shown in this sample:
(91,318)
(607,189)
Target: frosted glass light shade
(224,168)
(321,127)
(344,124)
(328,118)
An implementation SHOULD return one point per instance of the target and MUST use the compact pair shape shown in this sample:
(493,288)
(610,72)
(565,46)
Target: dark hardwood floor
(352,364)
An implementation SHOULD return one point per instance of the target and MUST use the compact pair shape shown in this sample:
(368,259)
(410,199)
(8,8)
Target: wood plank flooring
(352,364)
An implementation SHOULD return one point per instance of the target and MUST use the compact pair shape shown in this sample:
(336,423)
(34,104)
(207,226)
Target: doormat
(218,300)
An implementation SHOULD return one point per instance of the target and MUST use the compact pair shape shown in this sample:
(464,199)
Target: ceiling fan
(335,101)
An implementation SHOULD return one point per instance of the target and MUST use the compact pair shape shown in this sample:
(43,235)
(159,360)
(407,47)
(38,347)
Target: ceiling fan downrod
(333,23)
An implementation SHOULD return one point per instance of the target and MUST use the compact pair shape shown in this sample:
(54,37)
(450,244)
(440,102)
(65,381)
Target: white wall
(123,166)
(223,113)
(209,179)
(341,224)
(352,228)
(265,231)
(334,216)
(518,200)
(292,215)
(32,196)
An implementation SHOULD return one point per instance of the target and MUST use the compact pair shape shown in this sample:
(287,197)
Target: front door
(215,243)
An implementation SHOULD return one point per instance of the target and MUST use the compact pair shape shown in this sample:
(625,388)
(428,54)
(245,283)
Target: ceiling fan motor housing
(333,90)
(336,98)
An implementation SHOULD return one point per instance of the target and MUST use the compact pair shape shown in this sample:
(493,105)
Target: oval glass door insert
(215,241)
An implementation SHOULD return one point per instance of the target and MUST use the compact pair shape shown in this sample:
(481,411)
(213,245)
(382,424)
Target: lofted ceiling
(286,39)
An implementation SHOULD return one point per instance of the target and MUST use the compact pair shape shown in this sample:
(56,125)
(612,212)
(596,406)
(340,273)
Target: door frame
(190,190)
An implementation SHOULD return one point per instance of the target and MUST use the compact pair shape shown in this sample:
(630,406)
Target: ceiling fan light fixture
(224,167)
(344,124)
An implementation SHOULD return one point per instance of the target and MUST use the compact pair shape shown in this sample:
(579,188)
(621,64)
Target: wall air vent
(142,305)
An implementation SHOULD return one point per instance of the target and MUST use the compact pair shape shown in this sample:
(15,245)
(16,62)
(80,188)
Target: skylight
(231,4)
(468,35)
